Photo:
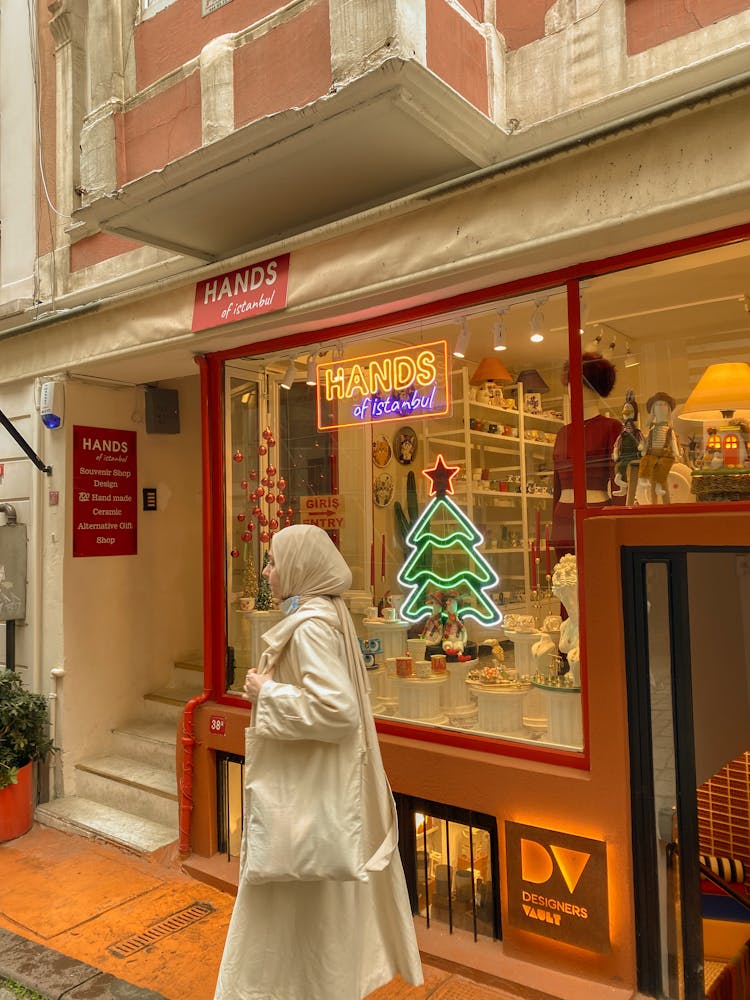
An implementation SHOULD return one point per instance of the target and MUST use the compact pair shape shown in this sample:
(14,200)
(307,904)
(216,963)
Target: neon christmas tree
(454,564)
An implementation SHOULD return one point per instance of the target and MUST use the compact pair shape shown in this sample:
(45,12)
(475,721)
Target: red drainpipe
(213,589)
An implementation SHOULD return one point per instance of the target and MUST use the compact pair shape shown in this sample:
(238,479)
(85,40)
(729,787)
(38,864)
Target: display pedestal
(419,699)
(251,626)
(501,709)
(523,659)
(392,635)
(564,715)
(455,696)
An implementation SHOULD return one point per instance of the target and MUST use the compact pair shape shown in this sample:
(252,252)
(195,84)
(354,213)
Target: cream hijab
(310,567)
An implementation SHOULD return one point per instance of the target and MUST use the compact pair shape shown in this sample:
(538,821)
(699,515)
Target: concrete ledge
(54,975)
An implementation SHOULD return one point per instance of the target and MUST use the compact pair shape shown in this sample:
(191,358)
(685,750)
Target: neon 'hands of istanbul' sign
(411,382)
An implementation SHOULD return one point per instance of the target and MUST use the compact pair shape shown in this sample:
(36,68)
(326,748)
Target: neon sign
(445,557)
(410,382)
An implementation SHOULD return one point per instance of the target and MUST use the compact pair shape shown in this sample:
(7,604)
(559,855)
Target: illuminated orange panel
(409,383)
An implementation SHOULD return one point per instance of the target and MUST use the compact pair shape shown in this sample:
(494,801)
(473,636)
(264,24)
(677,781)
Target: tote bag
(304,812)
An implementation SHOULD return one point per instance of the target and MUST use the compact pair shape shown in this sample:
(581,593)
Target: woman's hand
(253,683)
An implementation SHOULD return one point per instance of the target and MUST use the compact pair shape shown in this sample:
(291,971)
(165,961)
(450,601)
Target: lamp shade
(490,370)
(722,389)
(532,381)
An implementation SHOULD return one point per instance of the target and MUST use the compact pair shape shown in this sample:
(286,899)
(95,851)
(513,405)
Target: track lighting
(290,375)
(312,378)
(498,336)
(630,359)
(537,323)
(462,341)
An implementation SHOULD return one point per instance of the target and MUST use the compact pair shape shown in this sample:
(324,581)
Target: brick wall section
(162,129)
(651,22)
(177,34)
(522,22)
(724,812)
(288,67)
(101,246)
(457,53)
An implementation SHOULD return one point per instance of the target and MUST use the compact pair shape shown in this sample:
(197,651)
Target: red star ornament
(441,477)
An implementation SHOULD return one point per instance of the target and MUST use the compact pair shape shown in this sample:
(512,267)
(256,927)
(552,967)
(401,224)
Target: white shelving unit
(517,457)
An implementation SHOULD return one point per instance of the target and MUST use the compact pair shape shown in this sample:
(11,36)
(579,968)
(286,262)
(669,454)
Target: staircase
(128,796)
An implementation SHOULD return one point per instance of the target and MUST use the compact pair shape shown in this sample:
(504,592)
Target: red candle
(533,566)
(372,564)
(539,533)
(548,564)
(382,559)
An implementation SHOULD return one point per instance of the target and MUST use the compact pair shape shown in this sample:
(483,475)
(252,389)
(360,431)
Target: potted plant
(24,738)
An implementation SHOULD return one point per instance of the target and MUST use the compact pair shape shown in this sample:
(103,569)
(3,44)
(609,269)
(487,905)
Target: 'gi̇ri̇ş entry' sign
(104,492)
(410,382)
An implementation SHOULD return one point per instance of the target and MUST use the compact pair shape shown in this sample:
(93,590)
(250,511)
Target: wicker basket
(729,484)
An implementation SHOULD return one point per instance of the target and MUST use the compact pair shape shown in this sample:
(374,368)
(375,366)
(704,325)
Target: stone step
(74,814)
(167,703)
(188,673)
(153,741)
(131,785)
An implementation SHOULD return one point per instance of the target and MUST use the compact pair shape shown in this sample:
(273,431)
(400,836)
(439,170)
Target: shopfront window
(677,336)
(460,614)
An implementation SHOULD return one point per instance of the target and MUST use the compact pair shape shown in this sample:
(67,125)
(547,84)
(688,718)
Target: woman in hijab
(322,910)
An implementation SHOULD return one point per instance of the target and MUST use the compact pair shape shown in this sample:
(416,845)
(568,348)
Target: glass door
(663,784)
(688,655)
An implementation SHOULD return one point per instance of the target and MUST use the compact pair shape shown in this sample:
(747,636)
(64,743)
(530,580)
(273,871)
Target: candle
(539,533)
(546,550)
(372,564)
(382,559)
(533,566)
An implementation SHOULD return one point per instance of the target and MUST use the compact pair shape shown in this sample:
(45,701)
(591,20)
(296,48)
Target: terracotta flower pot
(17,806)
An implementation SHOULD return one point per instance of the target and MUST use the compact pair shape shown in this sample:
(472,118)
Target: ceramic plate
(405,445)
(381,451)
(382,489)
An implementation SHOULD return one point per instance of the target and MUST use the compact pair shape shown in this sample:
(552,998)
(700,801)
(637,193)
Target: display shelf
(512,456)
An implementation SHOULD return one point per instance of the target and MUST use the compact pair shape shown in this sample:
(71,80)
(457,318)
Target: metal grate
(175,922)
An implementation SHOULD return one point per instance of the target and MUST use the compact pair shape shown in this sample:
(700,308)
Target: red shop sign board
(105,475)
(242,294)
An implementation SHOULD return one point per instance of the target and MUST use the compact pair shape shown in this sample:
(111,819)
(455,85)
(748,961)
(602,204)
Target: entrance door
(689,716)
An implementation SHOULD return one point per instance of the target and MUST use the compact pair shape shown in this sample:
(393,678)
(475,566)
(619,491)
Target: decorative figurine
(454,632)
(432,632)
(627,450)
(565,586)
(659,449)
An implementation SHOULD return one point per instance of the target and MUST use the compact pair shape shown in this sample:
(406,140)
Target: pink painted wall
(285,68)
(521,23)
(161,130)
(178,33)
(651,22)
(101,246)
(457,53)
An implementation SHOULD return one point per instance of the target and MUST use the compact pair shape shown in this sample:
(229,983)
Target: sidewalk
(89,921)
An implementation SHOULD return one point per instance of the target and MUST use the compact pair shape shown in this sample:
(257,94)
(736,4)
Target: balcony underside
(397,130)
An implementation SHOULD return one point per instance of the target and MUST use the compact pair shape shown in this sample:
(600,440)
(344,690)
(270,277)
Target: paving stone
(106,987)
(42,969)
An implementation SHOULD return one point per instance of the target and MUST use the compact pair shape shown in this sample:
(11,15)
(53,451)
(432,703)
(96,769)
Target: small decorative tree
(264,600)
(445,557)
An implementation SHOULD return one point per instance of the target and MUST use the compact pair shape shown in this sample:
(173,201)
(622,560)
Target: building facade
(273,262)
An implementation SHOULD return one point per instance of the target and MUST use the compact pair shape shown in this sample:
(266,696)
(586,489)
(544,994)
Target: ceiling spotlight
(312,378)
(498,337)
(290,375)
(630,359)
(537,323)
(462,341)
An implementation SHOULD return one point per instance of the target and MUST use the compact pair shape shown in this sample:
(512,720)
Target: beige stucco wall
(128,618)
